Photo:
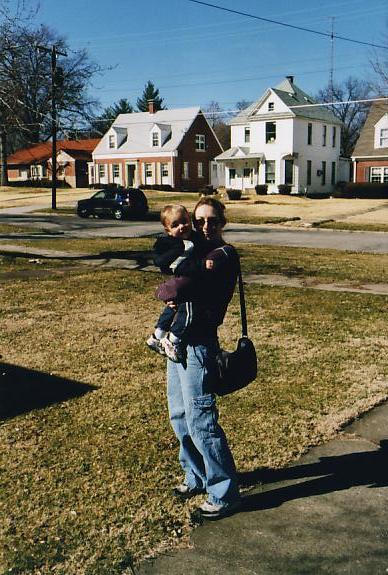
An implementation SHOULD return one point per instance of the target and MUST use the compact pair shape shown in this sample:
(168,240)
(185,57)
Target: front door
(131,168)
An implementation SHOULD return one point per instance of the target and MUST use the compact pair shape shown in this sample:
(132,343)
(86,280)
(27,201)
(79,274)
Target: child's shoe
(155,344)
(173,350)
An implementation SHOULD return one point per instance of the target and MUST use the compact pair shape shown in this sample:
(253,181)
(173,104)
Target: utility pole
(56,79)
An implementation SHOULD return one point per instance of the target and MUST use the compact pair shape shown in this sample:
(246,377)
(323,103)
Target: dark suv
(113,202)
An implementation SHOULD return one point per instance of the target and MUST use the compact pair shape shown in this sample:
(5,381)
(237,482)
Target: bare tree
(242,104)
(379,62)
(352,114)
(26,83)
(216,117)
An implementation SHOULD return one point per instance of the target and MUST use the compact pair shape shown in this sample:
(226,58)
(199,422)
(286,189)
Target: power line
(227,112)
(286,25)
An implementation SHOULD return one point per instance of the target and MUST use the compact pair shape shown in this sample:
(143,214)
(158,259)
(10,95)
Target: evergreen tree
(102,123)
(150,93)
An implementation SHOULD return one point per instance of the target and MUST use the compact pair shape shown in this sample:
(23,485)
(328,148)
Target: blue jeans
(204,452)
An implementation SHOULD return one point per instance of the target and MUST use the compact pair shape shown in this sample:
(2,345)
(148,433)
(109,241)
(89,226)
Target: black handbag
(237,369)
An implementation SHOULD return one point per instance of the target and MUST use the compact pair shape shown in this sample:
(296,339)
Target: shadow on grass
(330,474)
(22,390)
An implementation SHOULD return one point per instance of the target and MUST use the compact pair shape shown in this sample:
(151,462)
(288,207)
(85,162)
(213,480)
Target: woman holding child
(204,452)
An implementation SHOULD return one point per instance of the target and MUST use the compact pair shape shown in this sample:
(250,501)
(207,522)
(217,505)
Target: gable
(365,145)
(172,125)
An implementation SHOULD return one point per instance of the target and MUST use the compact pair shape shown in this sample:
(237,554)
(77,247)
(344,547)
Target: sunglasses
(213,222)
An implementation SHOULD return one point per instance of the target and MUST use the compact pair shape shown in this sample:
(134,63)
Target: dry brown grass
(86,480)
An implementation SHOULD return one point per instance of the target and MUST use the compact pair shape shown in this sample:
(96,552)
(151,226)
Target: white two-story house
(284,138)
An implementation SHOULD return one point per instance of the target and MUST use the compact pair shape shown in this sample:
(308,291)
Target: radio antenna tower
(331,78)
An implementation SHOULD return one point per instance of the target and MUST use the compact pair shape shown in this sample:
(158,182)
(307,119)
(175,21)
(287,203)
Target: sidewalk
(326,514)
(146,264)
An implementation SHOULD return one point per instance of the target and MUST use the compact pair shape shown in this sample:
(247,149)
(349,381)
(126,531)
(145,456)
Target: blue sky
(196,54)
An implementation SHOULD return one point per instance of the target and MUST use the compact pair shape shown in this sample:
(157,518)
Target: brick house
(370,155)
(166,147)
(34,163)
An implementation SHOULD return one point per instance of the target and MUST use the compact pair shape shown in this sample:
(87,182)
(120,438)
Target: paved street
(74,227)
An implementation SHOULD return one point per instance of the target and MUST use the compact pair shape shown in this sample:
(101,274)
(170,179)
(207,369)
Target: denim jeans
(204,452)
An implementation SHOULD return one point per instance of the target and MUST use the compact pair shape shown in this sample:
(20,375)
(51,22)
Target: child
(170,251)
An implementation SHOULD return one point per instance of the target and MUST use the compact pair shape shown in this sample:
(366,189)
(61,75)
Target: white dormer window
(155,139)
(271,106)
(383,138)
(381,132)
(112,141)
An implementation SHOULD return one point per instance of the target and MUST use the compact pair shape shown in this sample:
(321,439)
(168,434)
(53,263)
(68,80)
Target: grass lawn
(86,477)
(378,227)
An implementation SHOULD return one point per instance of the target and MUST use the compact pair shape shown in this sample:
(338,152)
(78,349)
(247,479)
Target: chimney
(151,109)
(290,79)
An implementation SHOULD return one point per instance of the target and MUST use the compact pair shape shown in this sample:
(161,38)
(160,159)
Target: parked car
(118,203)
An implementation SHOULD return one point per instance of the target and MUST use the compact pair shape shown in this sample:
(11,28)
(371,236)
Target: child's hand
(209,264)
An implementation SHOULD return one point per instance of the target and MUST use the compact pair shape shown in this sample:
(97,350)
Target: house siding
(187,152)
(362,168)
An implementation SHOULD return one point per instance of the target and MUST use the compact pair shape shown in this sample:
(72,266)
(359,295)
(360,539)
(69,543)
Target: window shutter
(366,174)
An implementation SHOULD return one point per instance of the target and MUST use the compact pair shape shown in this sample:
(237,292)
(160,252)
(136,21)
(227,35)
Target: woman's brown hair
(218,207)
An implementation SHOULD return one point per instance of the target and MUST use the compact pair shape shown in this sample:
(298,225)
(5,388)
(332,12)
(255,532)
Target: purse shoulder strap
(244,323)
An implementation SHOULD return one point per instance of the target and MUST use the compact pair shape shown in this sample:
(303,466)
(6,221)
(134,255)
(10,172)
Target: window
(271,106)
(309,134)
(379,175)
(101,170)
(384,137)
(232,173)
(155,139)
(200,142)
(247,135)
(200,170)
(289,172)
(309,169)
(112,141)
(270,132)
(116,170)
(148,170)
(323,169)
(185,170)
(270,172)
(324,134)
(247,172)
(334,137)
(35,171)
(333,173)
(164,170)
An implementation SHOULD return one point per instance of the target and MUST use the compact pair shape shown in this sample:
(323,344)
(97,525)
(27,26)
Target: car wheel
(118,214)
(83,213)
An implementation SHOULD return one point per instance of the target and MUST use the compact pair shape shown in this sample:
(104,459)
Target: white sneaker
(155,344)
(210,510)
(172,350)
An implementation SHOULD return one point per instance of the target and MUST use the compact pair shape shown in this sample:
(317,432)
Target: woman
(204,452)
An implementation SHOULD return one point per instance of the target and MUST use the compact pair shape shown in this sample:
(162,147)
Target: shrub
(37,183)
(157,187)
(207,191)
(234,194)
(361,190)
(284,189)
(261,189)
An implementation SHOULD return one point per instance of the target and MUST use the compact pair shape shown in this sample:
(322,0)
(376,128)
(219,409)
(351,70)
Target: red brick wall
(362,168)
(187,153)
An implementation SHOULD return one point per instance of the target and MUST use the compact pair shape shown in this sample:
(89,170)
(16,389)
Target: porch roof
(239,153)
